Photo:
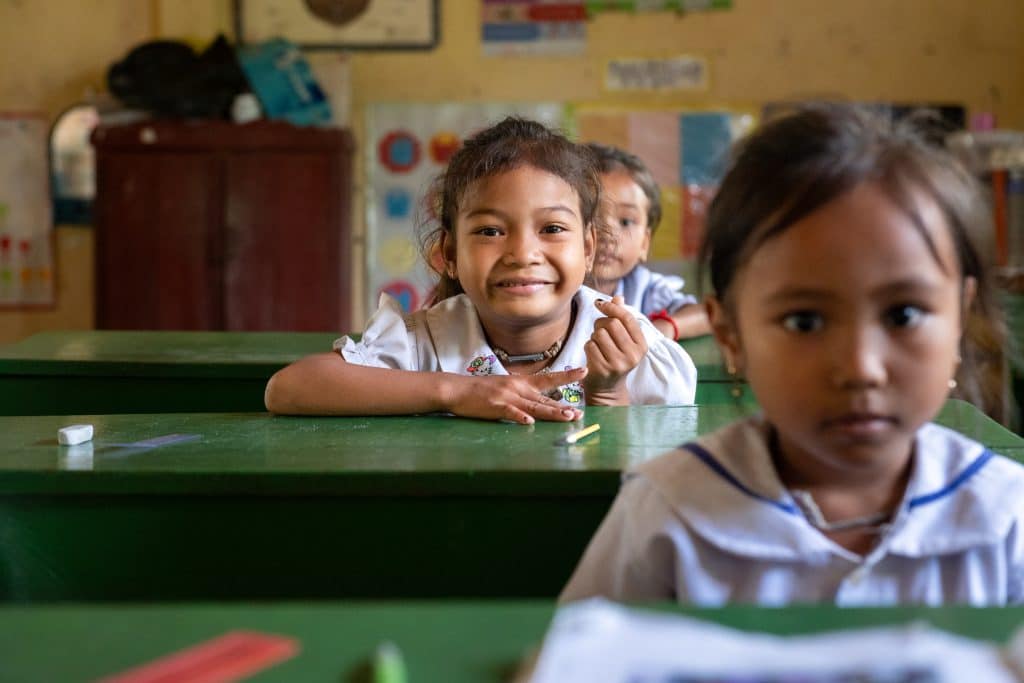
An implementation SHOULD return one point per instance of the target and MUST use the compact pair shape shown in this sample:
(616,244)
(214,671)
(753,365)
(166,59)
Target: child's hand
(616,347)
(519,398)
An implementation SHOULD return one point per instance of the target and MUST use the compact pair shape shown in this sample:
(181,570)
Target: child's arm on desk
(326,384)
(690,321)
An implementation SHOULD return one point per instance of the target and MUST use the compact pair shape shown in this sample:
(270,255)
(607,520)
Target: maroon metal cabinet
(210,225)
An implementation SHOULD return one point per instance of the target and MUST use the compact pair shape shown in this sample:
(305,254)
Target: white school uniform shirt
(448,337)
(651,292)
(711,523)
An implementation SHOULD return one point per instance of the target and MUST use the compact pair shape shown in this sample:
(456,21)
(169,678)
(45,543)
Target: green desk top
(264,508)
(207,354)
(129,353)
(258,453)
(441,642)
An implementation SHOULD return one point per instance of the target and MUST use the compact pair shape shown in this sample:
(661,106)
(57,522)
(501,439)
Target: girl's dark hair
(795,164)
(611,159)
(505,146)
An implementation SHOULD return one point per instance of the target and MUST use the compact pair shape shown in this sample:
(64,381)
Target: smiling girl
(515,335)
(842,274)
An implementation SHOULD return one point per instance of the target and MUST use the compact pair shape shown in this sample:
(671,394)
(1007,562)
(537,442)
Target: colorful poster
(409,144)
(686,152)
(26,219)
(533,27)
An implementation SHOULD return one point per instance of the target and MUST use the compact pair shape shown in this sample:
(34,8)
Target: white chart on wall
(407,146)
(26,223)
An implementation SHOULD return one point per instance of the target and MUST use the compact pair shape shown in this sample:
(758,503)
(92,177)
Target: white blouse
(651,292)
(711,523)
(448,337)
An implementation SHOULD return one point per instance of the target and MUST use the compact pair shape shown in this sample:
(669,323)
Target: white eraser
(74,434)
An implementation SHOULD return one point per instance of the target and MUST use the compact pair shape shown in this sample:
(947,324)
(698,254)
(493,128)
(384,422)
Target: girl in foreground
(842,273)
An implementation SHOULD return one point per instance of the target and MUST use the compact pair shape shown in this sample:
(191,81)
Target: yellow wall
(966,51)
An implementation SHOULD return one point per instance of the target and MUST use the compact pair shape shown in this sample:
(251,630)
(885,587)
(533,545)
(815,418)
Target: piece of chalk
(576,436)
(74,434)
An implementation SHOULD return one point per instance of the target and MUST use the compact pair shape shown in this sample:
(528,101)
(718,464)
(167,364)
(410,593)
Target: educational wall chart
(26,224)
(533,27)
(686,152)
(408,145)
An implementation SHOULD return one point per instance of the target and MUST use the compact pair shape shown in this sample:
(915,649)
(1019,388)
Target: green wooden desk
(60,373)
(1014,306)
(257,507)
(441,642)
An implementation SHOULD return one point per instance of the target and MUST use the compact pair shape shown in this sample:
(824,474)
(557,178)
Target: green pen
(388,665)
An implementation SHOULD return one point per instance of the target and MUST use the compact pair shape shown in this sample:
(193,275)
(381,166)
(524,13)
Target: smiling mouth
(521,286)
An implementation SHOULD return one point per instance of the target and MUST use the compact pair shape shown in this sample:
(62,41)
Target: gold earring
(736,388)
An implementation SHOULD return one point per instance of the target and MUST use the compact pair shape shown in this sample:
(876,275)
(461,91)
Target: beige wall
(967,51)
(52,53)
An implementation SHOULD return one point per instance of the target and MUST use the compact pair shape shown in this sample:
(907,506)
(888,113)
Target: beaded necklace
(505,357)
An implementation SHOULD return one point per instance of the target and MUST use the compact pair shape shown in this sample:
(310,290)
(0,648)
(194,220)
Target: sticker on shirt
(571,394)
(482,365)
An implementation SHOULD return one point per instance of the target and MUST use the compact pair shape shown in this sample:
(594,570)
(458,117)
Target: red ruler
(229,657)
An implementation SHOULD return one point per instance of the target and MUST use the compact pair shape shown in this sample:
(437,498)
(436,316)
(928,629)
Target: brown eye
(803,321)
(904,316)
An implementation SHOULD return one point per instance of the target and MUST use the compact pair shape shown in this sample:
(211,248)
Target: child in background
(842,273)
(515,336)
(632,205)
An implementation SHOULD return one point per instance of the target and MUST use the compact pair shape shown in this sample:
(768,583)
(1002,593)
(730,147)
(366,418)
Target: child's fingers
(597,357)
(551,380)
(617,310)
(611,330)
(541,407)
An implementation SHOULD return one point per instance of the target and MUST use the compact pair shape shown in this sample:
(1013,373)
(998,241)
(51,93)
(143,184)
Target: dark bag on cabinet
(168,78)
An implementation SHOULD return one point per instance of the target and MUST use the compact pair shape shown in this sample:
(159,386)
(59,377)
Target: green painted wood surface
(355,455)
(441,642)
(317,508)
(1013,304)
(57,373)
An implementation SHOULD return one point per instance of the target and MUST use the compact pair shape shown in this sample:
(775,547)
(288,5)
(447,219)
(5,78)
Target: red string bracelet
(663,315)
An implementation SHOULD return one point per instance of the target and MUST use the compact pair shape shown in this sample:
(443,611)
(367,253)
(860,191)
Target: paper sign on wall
(675,73)
(533,27)
(26,223)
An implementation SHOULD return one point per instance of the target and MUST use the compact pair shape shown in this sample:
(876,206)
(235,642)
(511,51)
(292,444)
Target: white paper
(596,640)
